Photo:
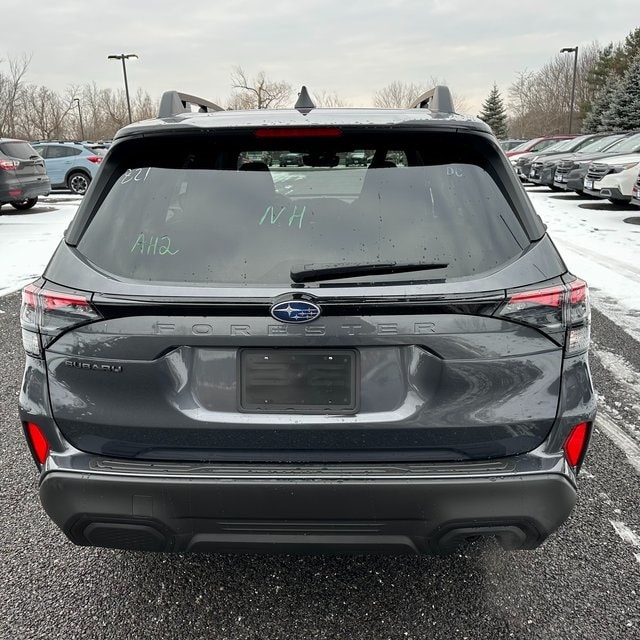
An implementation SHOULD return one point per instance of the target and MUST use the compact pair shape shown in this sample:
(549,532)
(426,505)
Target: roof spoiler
(436,99)
(173,102)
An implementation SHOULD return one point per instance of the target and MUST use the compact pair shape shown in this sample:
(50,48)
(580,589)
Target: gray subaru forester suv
(223,356)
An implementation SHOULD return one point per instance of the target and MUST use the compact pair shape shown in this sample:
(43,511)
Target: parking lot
(583,583)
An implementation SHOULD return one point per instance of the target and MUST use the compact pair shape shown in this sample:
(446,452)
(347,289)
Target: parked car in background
(635,196)
(524,160)
(287,159)
(257,156)
(508,145)
(357,158)
(535,146)
(613,178)
(571,172)
(543,168)
(23,177)
(331,361)
(70,165)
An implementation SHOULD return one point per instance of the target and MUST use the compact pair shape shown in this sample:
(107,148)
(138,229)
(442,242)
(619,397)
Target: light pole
(77,101)
(573,50)
(124,57)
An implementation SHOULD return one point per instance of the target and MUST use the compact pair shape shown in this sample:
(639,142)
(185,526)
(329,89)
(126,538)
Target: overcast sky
(350,47)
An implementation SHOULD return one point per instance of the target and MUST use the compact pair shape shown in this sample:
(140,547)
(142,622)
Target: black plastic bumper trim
(292,516)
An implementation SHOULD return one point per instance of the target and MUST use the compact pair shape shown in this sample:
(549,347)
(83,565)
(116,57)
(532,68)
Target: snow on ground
(28,238)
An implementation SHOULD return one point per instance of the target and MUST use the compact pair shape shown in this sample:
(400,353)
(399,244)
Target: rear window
(544,144)
(627,145)
(599,144)
(19,150)
(564,145)
(206,216)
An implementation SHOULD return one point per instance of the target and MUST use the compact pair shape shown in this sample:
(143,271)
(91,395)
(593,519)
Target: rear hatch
(206,309)
(28,167)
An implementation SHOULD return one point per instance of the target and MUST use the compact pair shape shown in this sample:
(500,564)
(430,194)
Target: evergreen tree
(593,123)
(611,62)
(494,113)
(631,47)
(623,113)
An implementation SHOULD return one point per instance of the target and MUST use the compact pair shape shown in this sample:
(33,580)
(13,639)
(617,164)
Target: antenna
(304,104)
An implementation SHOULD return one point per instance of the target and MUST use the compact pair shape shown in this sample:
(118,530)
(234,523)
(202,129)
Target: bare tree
(259,92)
(241,102)
(43,113)
(398,95)
(10,86)
(324,98)
(540,101)
(144,107)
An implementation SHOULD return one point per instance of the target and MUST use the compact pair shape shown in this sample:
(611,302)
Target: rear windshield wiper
(316,272)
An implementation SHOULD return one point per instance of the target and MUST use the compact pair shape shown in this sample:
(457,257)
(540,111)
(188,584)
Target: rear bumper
(27,190)
(283,508)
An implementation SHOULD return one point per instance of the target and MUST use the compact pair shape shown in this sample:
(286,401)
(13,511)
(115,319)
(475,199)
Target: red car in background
(537,144)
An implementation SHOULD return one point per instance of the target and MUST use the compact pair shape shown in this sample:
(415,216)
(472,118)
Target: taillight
(38,442)
(95,159)
(45,314)
(561,311)
(576,444)
(9,165)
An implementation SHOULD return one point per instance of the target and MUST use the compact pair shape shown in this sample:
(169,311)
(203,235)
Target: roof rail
(174,102)
(436,99)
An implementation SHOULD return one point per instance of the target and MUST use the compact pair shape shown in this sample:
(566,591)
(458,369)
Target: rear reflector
(576,444)
(14,193)
(38,442)
(299,132)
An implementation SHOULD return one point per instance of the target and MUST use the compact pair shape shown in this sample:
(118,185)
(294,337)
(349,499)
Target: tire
(23,205)
(78,182)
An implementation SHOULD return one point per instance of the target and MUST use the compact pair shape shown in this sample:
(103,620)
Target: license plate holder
(317,381)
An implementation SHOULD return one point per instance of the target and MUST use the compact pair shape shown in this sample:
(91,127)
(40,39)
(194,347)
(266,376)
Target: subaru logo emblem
(295,311)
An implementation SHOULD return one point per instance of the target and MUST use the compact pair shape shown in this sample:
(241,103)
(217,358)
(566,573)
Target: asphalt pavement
(582,584)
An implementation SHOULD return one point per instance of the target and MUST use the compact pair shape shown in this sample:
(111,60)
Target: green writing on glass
(293,217)
(153,246)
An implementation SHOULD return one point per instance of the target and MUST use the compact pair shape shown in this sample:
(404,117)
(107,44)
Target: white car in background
(613,178)
(635,196)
